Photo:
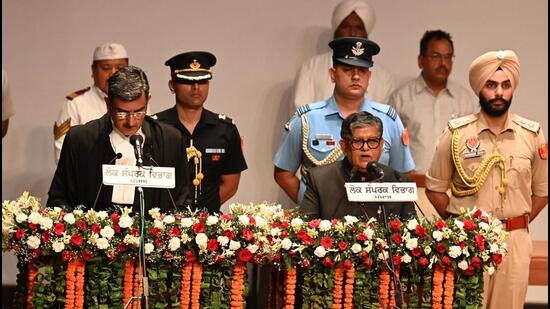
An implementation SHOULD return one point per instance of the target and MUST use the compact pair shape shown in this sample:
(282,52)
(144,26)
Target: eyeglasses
(372,143)
(125,115)
(439,57)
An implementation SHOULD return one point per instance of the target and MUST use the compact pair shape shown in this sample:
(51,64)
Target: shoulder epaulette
(226,119)
(386,109)
(461,121)
(72,96)
(525,123)
(309,107)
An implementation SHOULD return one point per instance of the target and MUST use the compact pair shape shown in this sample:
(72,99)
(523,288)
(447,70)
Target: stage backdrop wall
(47,48)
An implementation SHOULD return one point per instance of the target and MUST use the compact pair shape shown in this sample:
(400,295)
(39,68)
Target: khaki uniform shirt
(523,146)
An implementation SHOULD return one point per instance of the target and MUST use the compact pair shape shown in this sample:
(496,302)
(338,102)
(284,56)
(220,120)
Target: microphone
(353,173)
(137,141)
(375,173)
(149,157)
(117,156)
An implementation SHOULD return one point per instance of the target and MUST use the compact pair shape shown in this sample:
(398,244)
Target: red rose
(363,255)
(122,247)
(80,224)
(304,237)
(326,242)
(213,245)
(177,216)
(485,219)
(155,232)
(198,228)
(284,225)
(189,256)
(36,253)
(86,254)
(244,255)
(168,255)
(218,258)
(277,257)
(348,264)
(440,225)
(422,262)
(115,217)
(33,226)
(76,240)
(469,225)
(20,233)
(229,234)
(441,248)
(480,242)
(446,261)
(59,228)
(342,245)
(116,228)
(306,263)
(284,234)
(248,235)
(476,262)
(353,229)
(134,232)
(174,232)
(157,242)
(46,236)
(395,224)
(361,237)
(67,255)
(327,262)
(291,252)
(314,223)
(497,258)
(469,271)
(367,262)
(225,217)
(396,238)
(462,245)
(396,260)
(95,228)
(251,220)
(420,231)
(416,252)
(333,222)
(477,213)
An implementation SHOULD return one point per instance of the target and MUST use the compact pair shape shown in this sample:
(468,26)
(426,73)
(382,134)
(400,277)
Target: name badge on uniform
(323,136)
(214,150)
(473,144)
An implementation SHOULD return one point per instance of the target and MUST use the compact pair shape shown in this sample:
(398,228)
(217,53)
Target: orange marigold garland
(437,292)
(196,286)
(237,286)
(33,271)
(338,291)
(449,288)
(348,288)
(186,285)
(70,278)
(384,289)
(128,280)
(79,286)
(393,289)
(138,287)
(290,287)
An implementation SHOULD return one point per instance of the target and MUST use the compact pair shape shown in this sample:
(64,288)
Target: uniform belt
(516,223)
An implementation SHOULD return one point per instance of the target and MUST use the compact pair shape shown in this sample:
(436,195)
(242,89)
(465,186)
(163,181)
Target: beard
(488,108)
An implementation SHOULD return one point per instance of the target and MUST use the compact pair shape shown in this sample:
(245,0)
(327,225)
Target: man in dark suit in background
(361,140)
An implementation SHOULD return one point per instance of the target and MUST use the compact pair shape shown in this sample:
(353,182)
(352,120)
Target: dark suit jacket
(326,197)
(87,147)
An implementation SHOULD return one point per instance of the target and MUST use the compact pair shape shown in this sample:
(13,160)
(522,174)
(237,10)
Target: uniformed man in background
(497,161)
(213,142)
(312,136)
(89,103)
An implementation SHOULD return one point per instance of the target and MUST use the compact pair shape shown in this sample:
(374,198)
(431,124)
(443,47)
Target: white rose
(69,218)
(174,243)
(93,238)
(484,226)
(356,248)
(463,265)
(368,248)
(493,248)
(223,240)
(244,219)
(369,232)
(427,250)
(185,238)
(324,225)
(406,258)
(35,217)
(455,251)
(131,240)
(107,232)
(201,240)
(158,224)
(252,248)
(102,215)
(459,224)
(412,243)
(411,225)
(102,243)
(169,219)
(21,217)
(149,247)
(286,244)
(275,231)
(296,222)
(234,245)
(33,242)
(490,270)
(46,223)
(125,222)
(78,212)
(320,251)
(437,235)
(58,246)
(351,219)
(154,212)
(260,221)
(186,222)
(211,220)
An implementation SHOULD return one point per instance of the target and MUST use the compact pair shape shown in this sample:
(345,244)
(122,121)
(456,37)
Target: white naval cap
(109,51)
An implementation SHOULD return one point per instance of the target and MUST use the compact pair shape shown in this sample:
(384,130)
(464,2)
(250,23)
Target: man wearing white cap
(89,103)
(497,161)
(351,18)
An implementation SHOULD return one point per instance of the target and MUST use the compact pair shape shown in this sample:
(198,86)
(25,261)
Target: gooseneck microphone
(117,156)
(137,141)
(375,173)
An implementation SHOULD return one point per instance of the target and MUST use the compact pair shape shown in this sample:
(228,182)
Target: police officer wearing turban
(214,153)
(355,18)
(509,154)
(89,103)
(311,138)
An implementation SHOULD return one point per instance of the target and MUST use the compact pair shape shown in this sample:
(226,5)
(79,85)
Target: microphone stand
(397,288)
(142,263)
